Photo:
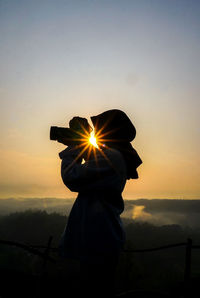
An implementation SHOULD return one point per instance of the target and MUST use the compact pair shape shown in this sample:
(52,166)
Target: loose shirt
(94,227)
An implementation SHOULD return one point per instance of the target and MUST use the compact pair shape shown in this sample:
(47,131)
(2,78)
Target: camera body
(60,132)
(79,129)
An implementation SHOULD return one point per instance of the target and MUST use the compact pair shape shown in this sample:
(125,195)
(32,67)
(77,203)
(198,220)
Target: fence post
(46,252)
(188,253)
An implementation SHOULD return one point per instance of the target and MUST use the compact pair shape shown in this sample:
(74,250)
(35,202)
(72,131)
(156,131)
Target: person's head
(114,129)
(113,126)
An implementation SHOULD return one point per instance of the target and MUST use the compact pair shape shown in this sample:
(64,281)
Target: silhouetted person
(94,233)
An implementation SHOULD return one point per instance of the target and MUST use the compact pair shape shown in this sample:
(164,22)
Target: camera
(78,131)
(57,133)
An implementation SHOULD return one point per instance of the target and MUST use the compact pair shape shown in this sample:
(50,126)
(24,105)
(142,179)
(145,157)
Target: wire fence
(35,249)
(48,248)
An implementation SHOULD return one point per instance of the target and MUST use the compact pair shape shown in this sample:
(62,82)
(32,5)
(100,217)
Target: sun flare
(93,140)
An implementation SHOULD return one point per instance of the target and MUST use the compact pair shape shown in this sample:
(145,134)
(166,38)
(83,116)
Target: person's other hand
(79,124)
(80,129)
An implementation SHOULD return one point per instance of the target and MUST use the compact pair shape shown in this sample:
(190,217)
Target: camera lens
(53,133)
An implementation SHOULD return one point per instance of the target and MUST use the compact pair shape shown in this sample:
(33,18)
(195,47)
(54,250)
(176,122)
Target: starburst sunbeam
(93,140)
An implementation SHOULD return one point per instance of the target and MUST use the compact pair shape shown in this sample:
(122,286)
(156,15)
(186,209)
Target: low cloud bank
(155,211)
(164,212)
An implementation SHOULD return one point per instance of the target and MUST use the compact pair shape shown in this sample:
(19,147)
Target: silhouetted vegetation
(32,227)
(153,270)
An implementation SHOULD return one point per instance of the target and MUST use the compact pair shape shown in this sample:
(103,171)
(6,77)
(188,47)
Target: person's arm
(103,173)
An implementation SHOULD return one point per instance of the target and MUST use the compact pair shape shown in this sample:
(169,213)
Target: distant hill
(10,205)
(154,211)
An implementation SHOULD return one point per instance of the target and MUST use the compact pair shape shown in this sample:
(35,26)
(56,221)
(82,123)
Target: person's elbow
(69,182)
(71,186)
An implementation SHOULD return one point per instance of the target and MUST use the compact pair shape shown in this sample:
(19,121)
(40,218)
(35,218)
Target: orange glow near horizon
(110,60)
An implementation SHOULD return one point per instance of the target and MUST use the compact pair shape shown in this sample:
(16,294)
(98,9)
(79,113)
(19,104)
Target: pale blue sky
(64,58)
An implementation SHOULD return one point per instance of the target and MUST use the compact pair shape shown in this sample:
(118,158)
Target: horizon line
(125,199)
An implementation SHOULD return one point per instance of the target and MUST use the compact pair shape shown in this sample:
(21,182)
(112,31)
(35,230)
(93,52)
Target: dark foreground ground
(149,274)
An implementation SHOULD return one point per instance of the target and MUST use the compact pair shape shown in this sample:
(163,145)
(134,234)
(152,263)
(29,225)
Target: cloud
(140,214)
(159,218)
(163,212)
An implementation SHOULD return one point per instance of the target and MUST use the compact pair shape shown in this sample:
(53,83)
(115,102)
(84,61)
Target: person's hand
(78,132)
(79,124)
(80,129)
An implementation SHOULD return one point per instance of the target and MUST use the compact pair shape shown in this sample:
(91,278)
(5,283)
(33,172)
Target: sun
(93,140)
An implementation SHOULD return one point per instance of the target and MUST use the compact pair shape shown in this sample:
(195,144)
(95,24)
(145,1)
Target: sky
(60,59)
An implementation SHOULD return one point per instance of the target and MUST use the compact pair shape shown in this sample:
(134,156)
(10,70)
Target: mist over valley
(155,211)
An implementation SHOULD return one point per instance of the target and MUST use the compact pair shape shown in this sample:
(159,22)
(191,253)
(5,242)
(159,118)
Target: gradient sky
(60,59)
